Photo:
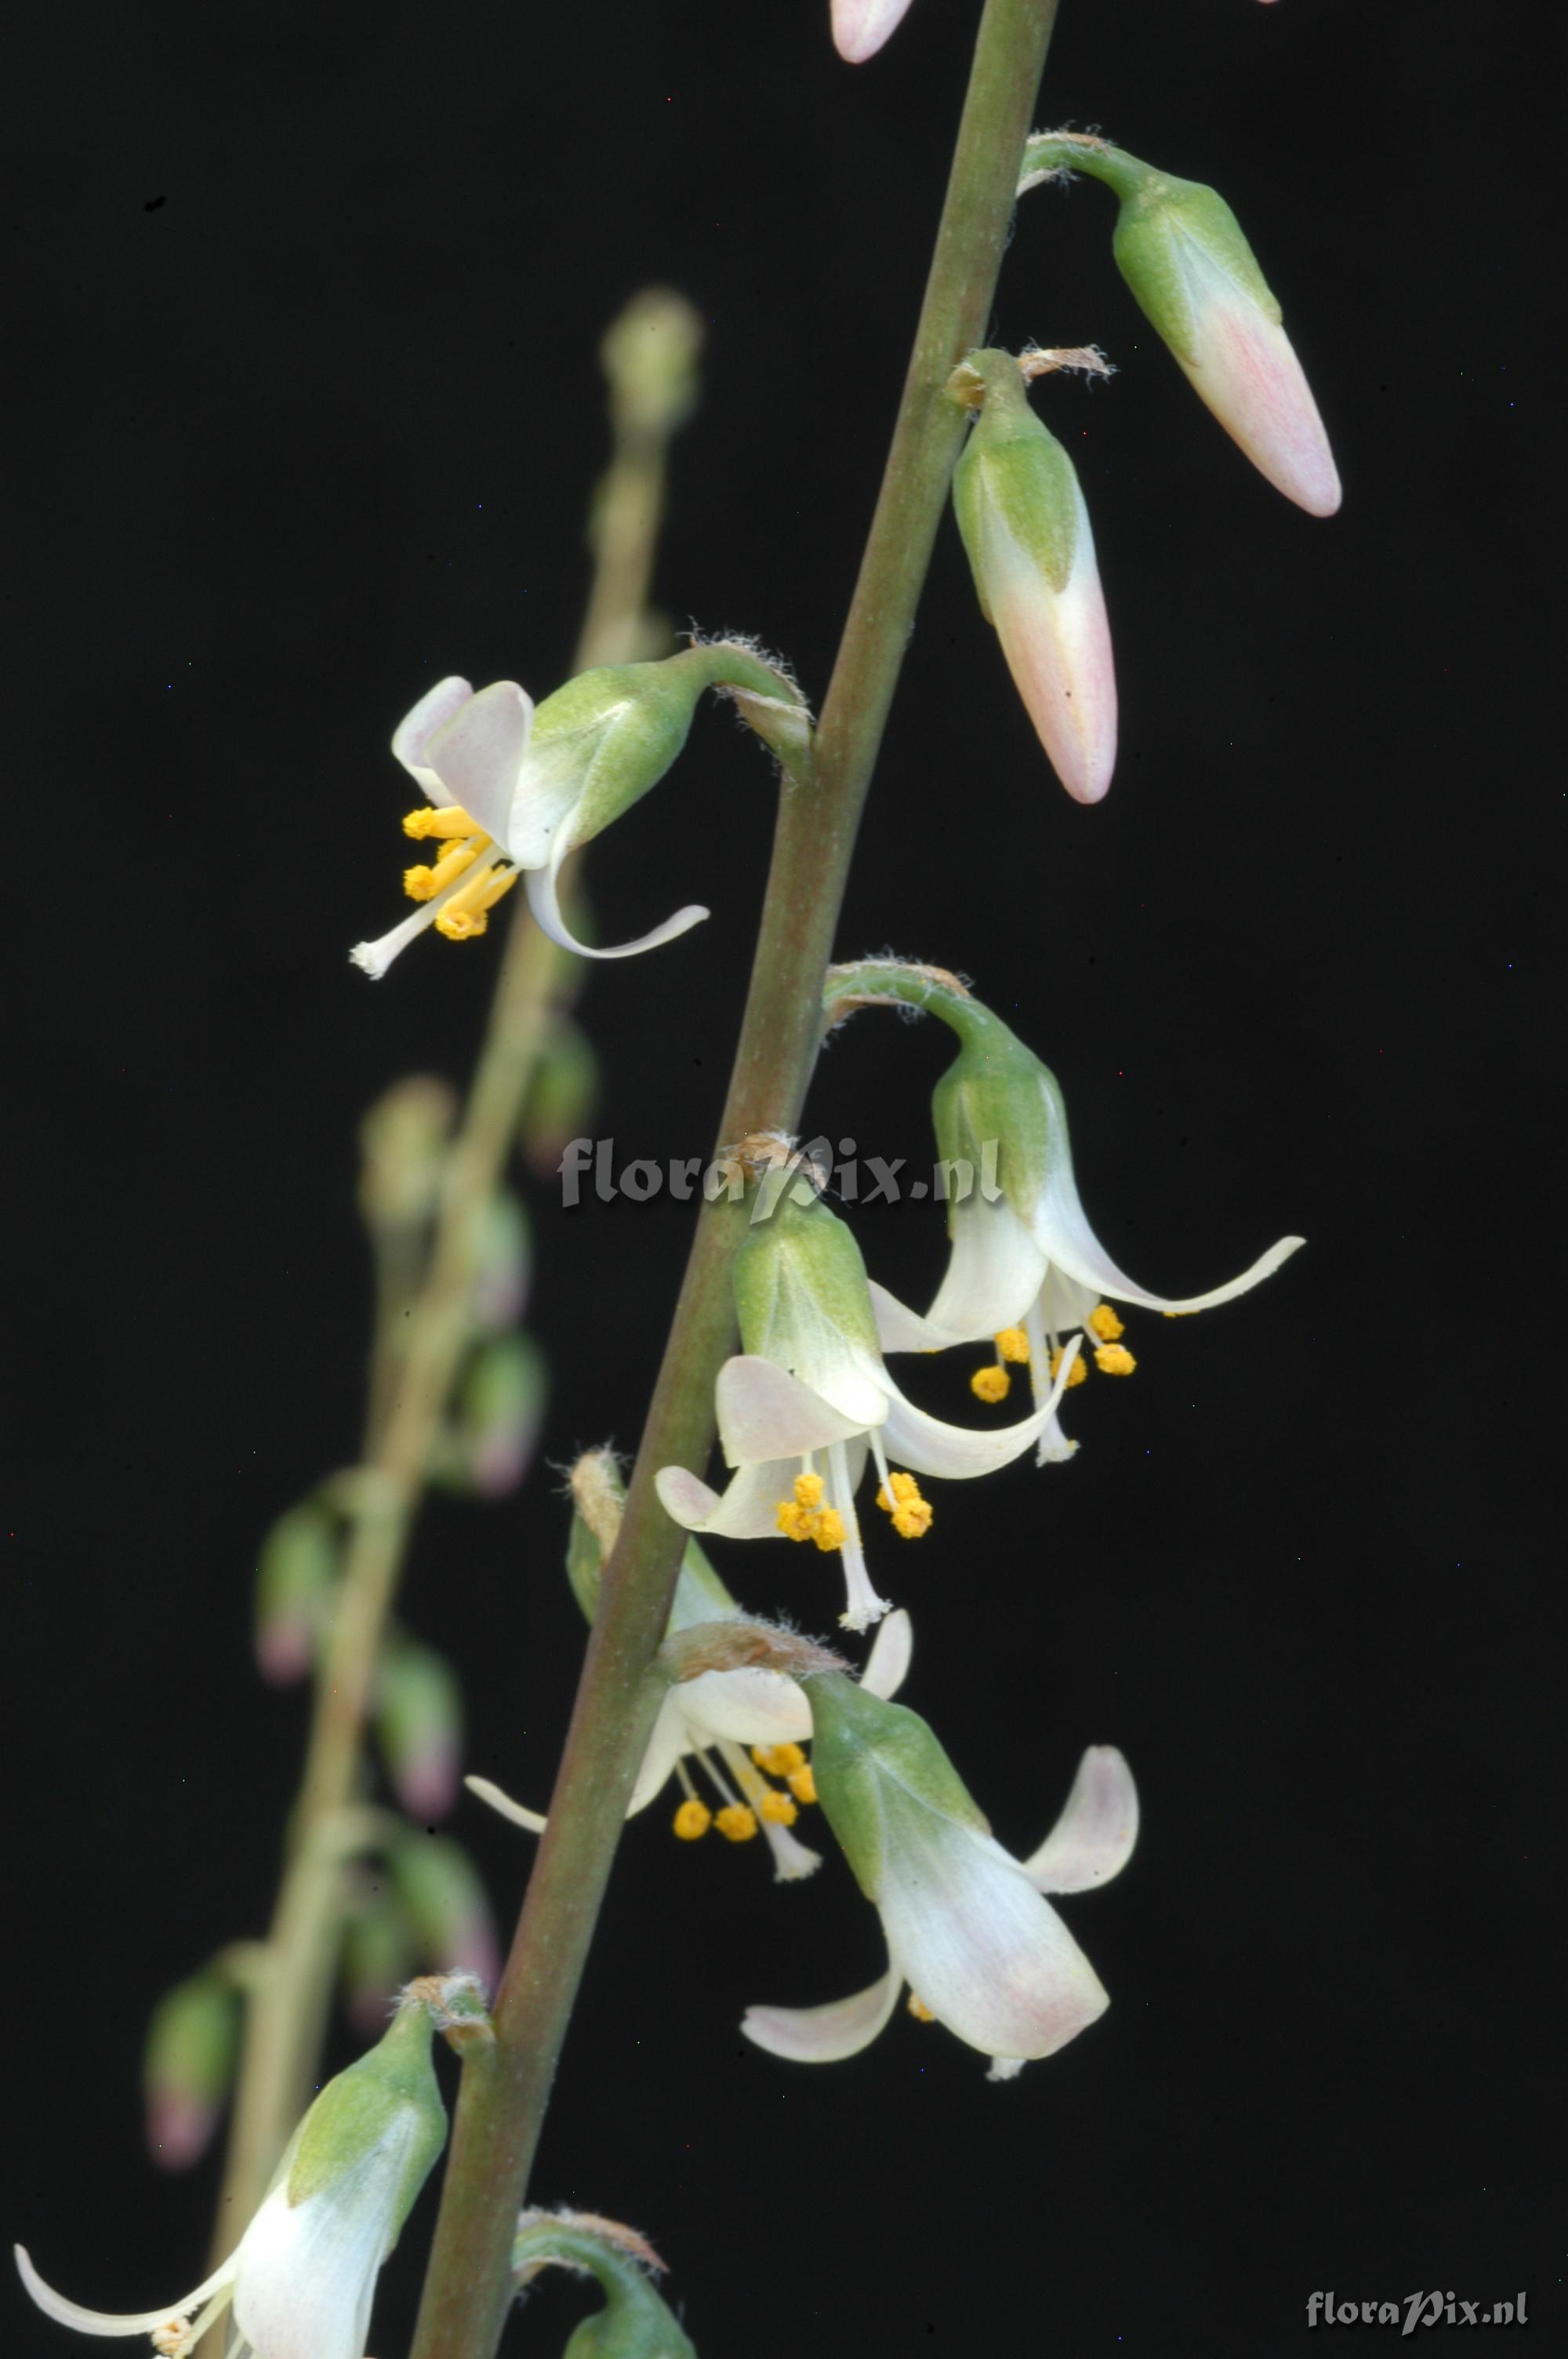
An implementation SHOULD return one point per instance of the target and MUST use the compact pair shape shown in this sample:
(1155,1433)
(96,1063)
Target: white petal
(307,2271)
(764,1412)
(104,2321)
(985,1952)
(1247,371)
(478,753)
(887,1665)
(1093,1839)
(825,2035)
(540,885)
(488,1792)
(670,1739)
(414,731)
(861,27)
(955,1453)
(746,1510)
(750,1706)
(994,1271)
(1058,645)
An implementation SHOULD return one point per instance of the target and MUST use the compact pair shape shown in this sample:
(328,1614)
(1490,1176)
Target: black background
(304,351)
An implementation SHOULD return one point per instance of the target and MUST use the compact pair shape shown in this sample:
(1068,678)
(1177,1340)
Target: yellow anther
(452,821)
(808,1490)
(736,1824)
(1103,1321)
(911,1514)
(793,1521)
(423,884)
(463,925)
(1077,1373)
(778,1760)
(777,1809)
(1114,1360)
(1013,1343)
(692,1818)
(918,2008)
(802,1784)
(463,916)
(992,1384)
(827,1529)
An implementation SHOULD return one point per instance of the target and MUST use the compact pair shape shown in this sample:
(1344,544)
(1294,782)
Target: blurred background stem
(650,358)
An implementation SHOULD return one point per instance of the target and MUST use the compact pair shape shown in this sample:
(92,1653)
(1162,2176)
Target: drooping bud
(635,2322)
(439,1890)
(419,1726)
(377,1955)
(188,2068)
(562,1097)
(650,354)
(403,1141)
(1016,498)
(490,1447)
(296,1578)
(862,27)
(1196,280)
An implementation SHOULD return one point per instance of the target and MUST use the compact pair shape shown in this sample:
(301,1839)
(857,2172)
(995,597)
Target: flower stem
(291,1983)
(502,2105)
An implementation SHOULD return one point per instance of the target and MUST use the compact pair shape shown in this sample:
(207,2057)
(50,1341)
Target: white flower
(861,27)
(967,1927)
(800,1410)
(303,2277)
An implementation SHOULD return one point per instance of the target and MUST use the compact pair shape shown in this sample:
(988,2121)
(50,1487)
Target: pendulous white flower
(743,1728)
(967,1929)
(303,2277)
(513,788)
(1025,1267)
(1021,513)
(861,27)
(1196,280)
(809,1397)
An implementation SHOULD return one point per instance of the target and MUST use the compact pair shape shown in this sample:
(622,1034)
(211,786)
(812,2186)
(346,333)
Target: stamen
(423,884)
(692,1820)
(911,1514)
(1077,1372)
(792,1859)
(1114,1360)
(864,1606)
(992,1384)
(802,1784)
(794,1521)
(1103,1321)
(808,1490)
(777,1809)
(174,2341)
(828,1529)
(464,918)
(736,1823)
(778,1760)
(1013,1343)
(451,820)
(377,956)
(918,2008)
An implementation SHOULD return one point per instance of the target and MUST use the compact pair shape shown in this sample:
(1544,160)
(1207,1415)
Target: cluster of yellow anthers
(805,1517)
(464,916)
(911,1514)
(1112,1357)
(737,1821)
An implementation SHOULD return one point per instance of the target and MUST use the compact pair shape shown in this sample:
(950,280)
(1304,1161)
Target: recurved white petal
(955,1453)
(750,1706)
(305,2272)
(825,2035)
(766,1413)
(887,1665)
(414,731)
(488,1791)
(744,1511)
(106,2322)
(994,1272)
(477,752)
(541,885)
(1093,1839)
(987,1955)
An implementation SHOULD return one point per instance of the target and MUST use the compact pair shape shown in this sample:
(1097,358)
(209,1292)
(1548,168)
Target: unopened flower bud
(635,2322)
(861,27)
(376,1958)
(562,1097)
(188,2069)
(295,1582)
(1016,497)
(448,1915)
(402,1141)
(500,1411)
(650,355)
(419,1727)
(505,1265)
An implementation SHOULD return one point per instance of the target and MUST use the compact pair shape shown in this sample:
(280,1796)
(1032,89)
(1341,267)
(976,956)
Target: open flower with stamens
(861,27)
(513,788)
(1021,513)
(303,2277)
(1181,251)
(1025,1268)
(967,1929)
(806,1402)
(742,1730)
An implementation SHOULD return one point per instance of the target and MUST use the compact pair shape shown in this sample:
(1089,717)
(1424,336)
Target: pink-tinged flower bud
(419,1727)
(861,27)
(295,1582)
(192,2042)
(1016,497)
(438,1888)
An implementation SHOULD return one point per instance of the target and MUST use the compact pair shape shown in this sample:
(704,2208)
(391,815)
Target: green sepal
(999,1108)
(801,1292)
(1163,229)
(1014,472)
(636,2322)
(374,2099)
(876,1765)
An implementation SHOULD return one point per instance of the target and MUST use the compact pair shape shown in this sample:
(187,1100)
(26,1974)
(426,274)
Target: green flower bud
(562,1099)
(403,1141)
(188,2068)
(419,1726)
(635,2322)
(439,1891)
(296,1580)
